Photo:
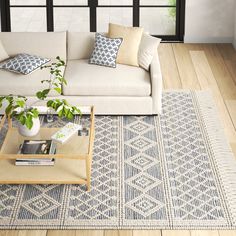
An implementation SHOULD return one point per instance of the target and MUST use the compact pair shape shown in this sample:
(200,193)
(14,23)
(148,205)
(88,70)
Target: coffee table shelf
(63,172)
(73,159)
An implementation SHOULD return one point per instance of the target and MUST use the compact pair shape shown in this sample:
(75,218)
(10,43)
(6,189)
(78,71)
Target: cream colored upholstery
(3,53)
(27,85)
(156,81)
(108,104)
(128,52)
(103,81)
(147,50)
(80,45)
(49,45)
(126,90)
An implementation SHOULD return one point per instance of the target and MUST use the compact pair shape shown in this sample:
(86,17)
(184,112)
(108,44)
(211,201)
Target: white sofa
(125,90)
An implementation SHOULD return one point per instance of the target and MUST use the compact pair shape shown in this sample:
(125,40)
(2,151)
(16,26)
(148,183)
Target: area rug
(174,171)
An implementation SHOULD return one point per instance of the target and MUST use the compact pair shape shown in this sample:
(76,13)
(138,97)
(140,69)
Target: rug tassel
(224,157)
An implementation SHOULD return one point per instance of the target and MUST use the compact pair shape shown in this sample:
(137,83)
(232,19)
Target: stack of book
(36,147)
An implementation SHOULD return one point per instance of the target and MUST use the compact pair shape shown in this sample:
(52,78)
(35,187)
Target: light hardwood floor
(184,66)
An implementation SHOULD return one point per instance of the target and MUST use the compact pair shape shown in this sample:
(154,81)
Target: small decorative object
(27,116)
(66,132)
(25,131)
(49,115)
(83,132)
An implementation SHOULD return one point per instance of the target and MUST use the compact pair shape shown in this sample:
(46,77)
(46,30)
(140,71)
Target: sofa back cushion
(45,44)
(3,53)
(80,45)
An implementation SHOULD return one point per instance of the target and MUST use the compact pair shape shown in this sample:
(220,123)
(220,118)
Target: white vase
(24,131)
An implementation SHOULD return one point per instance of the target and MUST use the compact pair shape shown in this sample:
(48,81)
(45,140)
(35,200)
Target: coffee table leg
(88,172)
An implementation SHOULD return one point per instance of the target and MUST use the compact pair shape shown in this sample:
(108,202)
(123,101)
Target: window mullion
(93,14)
(136,13)
(5,15)
(50,18)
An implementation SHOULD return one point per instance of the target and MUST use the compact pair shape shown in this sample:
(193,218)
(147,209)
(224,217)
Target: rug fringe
(224,157)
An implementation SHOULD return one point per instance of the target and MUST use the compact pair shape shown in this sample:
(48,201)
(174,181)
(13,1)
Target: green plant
(16,104)
(55,81)
(17,108)
(172,10)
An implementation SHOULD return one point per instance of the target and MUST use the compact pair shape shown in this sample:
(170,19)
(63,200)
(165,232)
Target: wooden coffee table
(73,159)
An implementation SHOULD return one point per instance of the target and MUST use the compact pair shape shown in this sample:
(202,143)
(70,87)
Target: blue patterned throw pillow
(24,63)
(105,51)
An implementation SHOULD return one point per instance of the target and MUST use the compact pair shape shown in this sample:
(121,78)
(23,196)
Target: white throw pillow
(147,49)
(3,53)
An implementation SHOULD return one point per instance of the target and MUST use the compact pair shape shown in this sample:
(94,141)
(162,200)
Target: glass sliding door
(158,21)
(162,18)
(71,15)
(118,15)
(71,19)
(25,19)
(28,15)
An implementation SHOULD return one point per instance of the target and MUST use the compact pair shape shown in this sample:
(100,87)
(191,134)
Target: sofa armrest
(156,81)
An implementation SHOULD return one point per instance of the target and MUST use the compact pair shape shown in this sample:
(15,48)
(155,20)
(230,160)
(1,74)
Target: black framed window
(71,15)
(162,18)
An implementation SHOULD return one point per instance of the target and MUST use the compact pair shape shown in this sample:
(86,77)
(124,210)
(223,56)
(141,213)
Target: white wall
(234,42)
(210,21)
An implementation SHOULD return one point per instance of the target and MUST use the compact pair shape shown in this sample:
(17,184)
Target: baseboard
(190,39)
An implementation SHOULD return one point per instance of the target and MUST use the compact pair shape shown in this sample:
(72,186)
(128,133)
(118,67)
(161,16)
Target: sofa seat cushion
(84,79)
(27,85)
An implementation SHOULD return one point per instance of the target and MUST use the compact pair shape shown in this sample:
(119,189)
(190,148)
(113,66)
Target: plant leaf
(20,103)
(58,90)
(29,121)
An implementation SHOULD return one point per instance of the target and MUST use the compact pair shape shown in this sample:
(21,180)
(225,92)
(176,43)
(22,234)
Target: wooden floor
(184,66)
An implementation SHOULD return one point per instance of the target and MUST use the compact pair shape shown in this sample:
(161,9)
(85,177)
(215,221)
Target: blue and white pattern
(105,51)
(148,172)
(24,63)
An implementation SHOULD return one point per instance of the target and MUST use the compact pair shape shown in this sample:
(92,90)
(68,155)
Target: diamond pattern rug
(174,171)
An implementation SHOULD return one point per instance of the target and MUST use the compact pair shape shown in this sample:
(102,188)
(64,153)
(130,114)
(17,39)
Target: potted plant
(28,115)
